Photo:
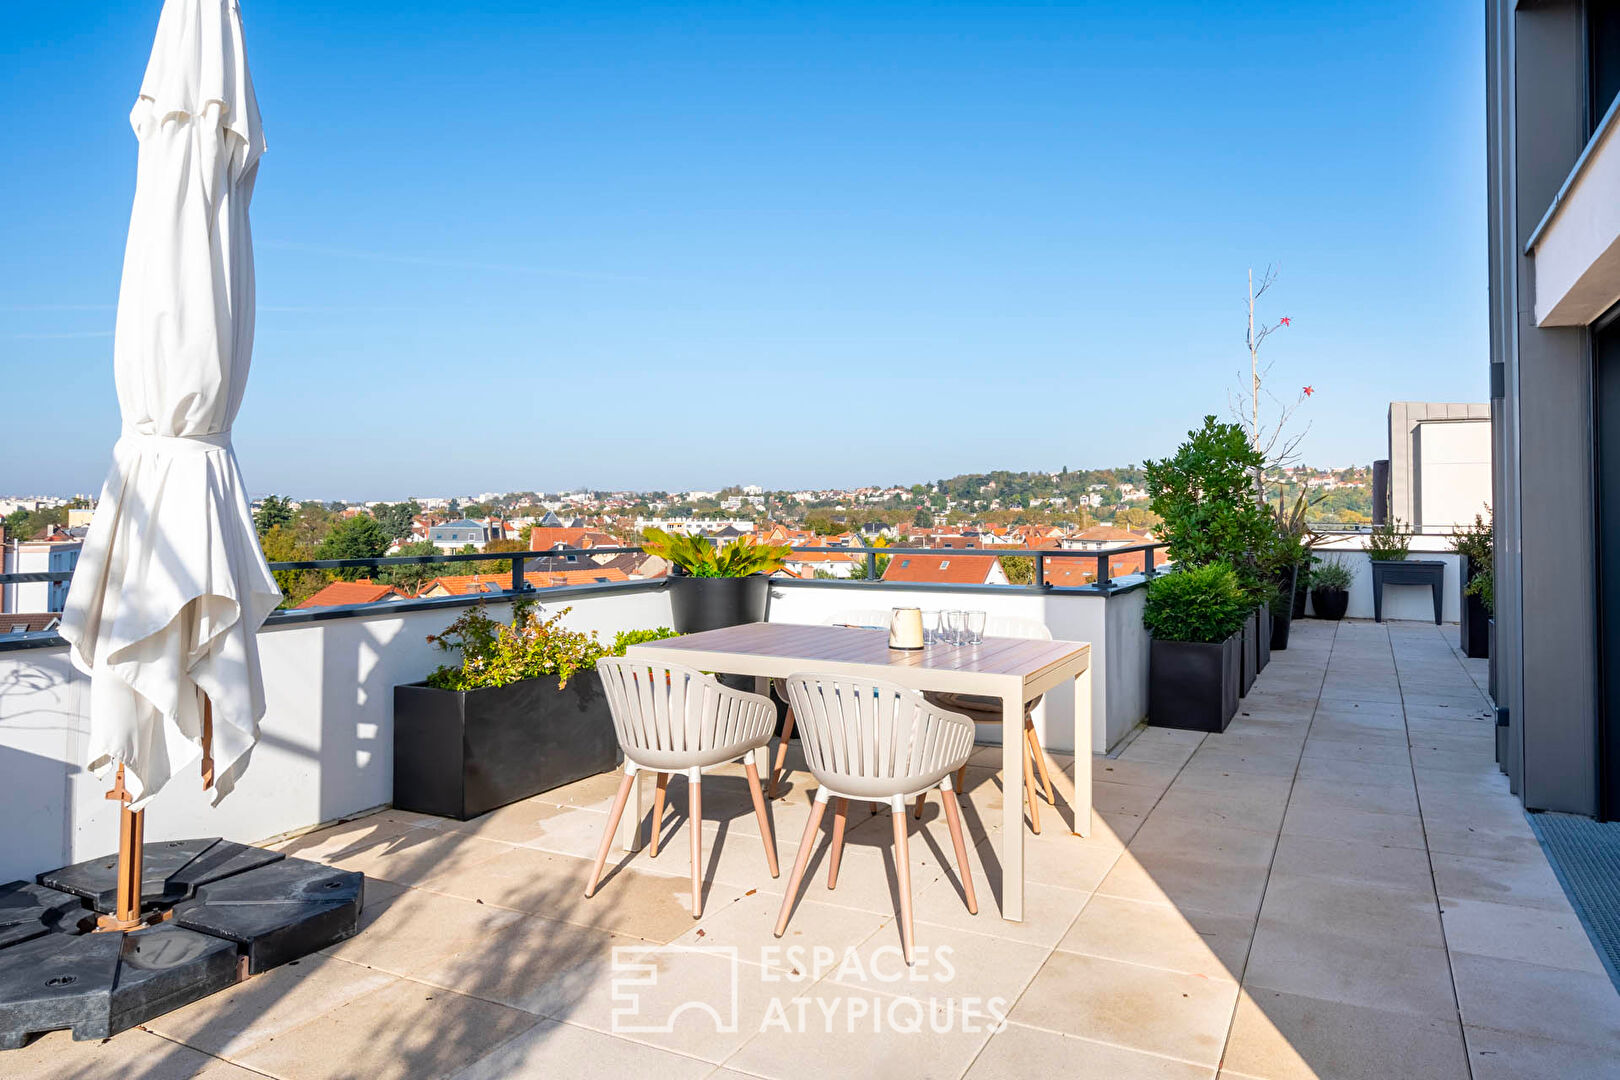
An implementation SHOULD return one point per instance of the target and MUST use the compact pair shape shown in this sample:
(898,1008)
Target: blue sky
(522,245)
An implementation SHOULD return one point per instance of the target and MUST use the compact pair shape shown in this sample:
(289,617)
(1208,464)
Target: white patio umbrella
(172,586)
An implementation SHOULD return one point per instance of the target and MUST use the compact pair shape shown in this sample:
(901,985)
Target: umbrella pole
(207,743)
(131,830)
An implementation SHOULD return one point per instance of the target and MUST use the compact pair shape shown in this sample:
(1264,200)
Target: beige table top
(781,648)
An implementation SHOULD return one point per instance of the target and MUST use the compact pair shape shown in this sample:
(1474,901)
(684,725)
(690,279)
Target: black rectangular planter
(1475,639)
(1263,638)
(461,753)
(1194,686)
(1249,659)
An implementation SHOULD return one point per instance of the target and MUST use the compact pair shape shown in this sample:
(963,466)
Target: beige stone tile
(593,792)
(957,964)
(702,1002)
(749,924)
(1158,935)
(1363,826)
(414,928)
(1183,882)
(405,1030)
(1351,749)
(1353,861)
(539,824)
(1471,840)
(1354,909)
(1526,884)
(134,1054)
(1510,932)
(1141,1008)
(1549,1003)
(1140,773)
(422,856)
(537,965)
(1214,758)
(833,1032)
(351,843)
(1256,810)
(652,906)
(1279,1036)
(1019,1052)
(1203,839)
(265,1006)
(1507,1055)
(1049,911)
(549,1050)
(1358,773)
(1315,962)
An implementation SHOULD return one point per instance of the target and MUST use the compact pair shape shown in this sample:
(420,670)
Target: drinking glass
(930,627)
(973,627)
(954,624)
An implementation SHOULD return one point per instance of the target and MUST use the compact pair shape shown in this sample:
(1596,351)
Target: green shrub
(1330,574)
(1477,542)
(1389,541)
(1197,603)
(499,654)
(1484,586)
(1205,496)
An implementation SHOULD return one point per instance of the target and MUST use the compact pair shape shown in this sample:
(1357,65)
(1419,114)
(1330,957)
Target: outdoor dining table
(1014,670)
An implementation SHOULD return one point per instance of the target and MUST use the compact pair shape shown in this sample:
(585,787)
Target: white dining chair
(987,710)
(866,618)
(675,719)
(877,742)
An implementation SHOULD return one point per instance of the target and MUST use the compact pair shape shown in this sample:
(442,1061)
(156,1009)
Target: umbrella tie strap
(177,444)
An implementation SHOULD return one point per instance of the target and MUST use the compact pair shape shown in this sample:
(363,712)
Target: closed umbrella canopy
(171,586)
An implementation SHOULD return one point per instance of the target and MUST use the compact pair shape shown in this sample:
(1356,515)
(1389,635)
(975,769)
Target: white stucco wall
(1452,476)
(1400,601)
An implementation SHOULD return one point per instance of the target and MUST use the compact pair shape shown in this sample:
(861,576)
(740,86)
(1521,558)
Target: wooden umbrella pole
(207,743)
(131,829)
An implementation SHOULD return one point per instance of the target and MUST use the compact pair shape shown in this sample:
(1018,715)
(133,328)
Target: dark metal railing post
(1103,572)
(1040,570)
(517,574)
(871,566)
(1147,562)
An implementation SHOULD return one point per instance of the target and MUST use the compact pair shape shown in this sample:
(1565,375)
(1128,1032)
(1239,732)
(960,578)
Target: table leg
(1012,803)
(1082,753)
(630,822)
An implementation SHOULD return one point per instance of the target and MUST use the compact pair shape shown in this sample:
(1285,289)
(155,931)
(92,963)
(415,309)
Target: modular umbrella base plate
(239,912)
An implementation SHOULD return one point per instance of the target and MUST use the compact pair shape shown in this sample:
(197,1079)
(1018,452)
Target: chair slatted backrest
(668,707)
(868,730)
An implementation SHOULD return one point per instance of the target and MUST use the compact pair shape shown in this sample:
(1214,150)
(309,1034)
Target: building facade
(1553,176)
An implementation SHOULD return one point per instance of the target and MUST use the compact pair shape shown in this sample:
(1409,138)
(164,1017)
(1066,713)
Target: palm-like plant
(695,556)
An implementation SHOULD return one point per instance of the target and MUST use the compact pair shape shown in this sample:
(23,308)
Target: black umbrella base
(230,911)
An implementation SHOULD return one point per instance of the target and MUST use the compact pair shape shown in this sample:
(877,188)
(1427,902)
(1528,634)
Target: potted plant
(1475,543)
(711,586)
(1389,542)
(1205,497)
(1289,554)
(1482,590)
(511,719)
(1330,589)
(1196,617)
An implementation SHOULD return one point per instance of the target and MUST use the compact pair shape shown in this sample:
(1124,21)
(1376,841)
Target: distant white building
(58,553)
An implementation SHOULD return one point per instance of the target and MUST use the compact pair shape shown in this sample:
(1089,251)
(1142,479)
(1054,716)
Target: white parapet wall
(325,749)
(1111,624)
(1413,602)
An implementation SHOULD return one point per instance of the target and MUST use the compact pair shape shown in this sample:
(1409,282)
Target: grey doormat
(1585,854)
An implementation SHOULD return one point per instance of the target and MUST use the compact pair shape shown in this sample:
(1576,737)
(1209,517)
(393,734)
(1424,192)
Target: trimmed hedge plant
(1204,604)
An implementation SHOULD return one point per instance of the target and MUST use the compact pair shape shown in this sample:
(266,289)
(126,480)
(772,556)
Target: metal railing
(516,582)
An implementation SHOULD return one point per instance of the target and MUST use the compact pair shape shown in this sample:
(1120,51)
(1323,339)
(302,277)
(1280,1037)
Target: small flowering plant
(532,645)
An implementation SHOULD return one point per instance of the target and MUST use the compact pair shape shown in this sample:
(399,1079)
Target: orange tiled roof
(341,593)
(944,568)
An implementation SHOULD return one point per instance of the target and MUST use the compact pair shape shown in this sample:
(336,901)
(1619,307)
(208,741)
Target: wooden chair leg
(953,817)
(1029,796)
(658,814)
(1040,758)
(961,778)
(764,818)
(922,800)
(840,819)
(810,829)
(902,864)
(781,751)
(694,786)
(612,830)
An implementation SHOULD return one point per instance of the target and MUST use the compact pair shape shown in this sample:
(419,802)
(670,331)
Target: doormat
(1585,854)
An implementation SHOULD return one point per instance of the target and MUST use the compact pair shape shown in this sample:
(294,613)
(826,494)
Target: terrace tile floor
(1340,885)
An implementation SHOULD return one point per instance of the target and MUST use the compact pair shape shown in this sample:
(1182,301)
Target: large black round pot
(1330,603)
(699,603)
